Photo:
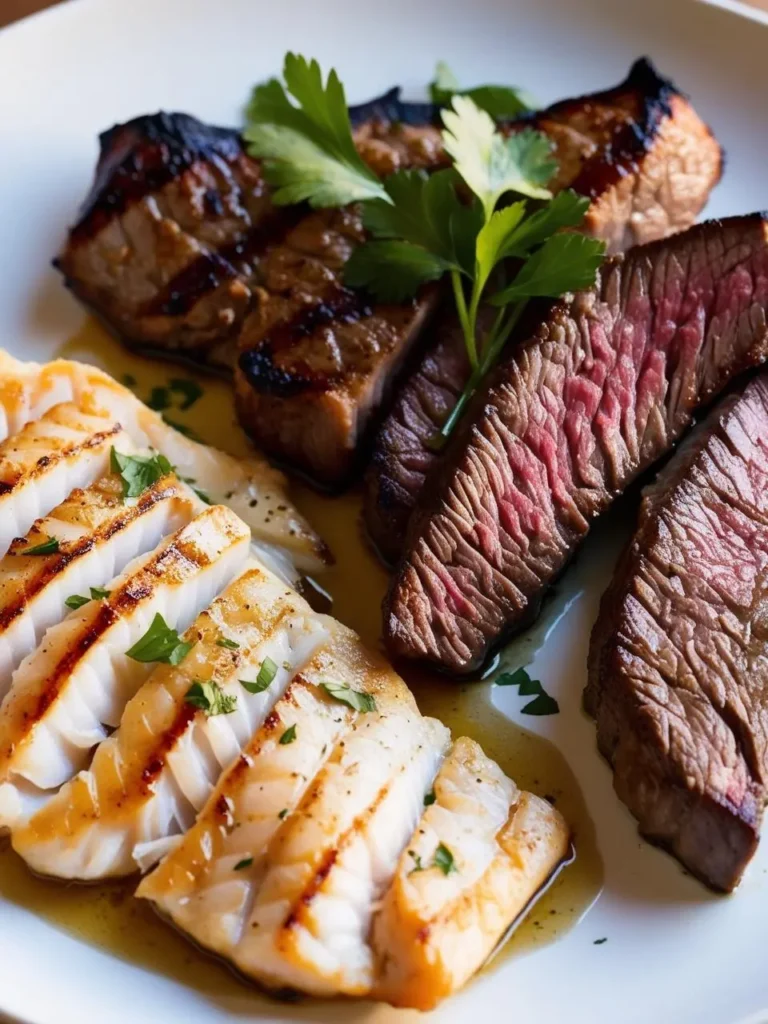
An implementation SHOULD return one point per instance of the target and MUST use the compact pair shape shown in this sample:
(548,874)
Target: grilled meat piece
(317,359)
(603,388)
(159,249)
(677,668)
(647,162)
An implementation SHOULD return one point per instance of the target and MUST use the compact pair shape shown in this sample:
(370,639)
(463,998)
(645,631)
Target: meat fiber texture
(647,162)
(603,388)
(678,667)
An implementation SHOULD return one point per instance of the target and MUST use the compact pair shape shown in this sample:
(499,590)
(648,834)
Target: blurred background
(11,10)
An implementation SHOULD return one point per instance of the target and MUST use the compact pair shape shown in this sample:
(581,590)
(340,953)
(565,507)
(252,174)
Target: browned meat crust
(677,669)
(603,388)
(648,163)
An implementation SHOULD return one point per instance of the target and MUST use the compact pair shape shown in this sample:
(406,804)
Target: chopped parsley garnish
(160,643)
(288,736)
(599,942)
(46,547)
(159,399)
(267,673)
(182,428)
(422,227)
(138,472)
(417,865)
(77,600)
(283,813)
(210,698)
(244,863)
(500,101)
(190,391)
(129,380)
(344,693)
(444,860)
(542,704)
(429,798)
(231,645)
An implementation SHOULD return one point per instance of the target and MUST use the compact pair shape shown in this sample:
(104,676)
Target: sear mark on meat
(604,387)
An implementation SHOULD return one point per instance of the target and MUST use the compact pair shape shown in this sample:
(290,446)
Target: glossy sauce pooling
(108,917)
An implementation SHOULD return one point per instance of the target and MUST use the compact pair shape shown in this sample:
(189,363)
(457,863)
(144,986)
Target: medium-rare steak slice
(604,387)
(647,161)
(678,665)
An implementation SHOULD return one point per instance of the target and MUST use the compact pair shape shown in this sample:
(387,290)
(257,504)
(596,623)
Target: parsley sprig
(500,101)
(458,222)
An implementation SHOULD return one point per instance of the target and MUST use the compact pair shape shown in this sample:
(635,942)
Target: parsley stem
(497,338)
(467,327)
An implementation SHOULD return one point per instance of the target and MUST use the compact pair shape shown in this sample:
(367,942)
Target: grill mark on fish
(57,563)
(112,610)
(94,441)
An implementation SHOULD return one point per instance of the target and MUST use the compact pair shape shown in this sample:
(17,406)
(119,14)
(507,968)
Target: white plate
(673,953)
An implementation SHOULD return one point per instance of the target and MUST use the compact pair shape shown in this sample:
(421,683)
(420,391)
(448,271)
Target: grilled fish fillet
(302,842)
(39,466)
(435,927)
(80,678)
(98,534)
(149,779)
(251,487)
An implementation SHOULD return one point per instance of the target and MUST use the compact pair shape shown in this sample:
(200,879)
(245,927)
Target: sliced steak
(603,388)
(648,163)
(678,664)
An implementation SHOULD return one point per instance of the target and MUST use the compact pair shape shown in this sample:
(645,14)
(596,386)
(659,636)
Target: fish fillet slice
(148,780)
(436,929)
(345,812)
(253,488)
(208,883)
(284,810)
(80,678)
(48,459)
(98,535)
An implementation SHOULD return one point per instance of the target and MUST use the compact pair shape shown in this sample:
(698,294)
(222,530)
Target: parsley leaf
(565,263)
(159,399)
(231,645)
(244,863)
(500,101)
(392,271)
(46,547)
(429,798)
(308,150)
(160,643)
(492,165)
(77,600)
(210,698)
(565,210)
(283,813)
(356,699)
(542,704)
(444,860)
(182,429)
(138,472)
(417,864)
(190,391)
(264,679)
(288,736)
